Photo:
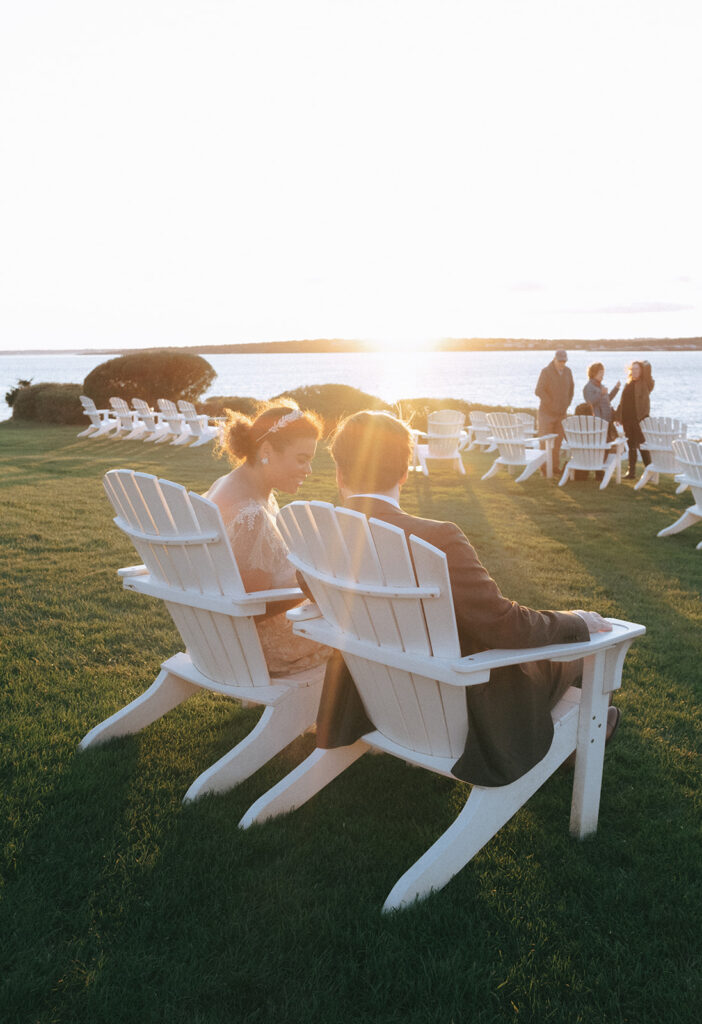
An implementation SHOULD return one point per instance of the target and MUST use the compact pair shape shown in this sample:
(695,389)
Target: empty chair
(177,430)
(385,601)
(659,433)
(688,457)
(199,424)
(154,427)
(480,433)
(102,421)
(444,439)
(130,427)
(588,449)
(517,451)
(529,423)
(188,563)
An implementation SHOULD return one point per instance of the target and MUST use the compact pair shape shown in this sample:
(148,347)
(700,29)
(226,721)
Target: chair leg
(689,516)
(278,726)
(303,782)
(566,473)
(166,692)
(609,467)
(483,815)
(494,468)
(530,468)
(645,477)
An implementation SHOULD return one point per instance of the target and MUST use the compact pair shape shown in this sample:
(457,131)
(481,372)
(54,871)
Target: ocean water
(493,378)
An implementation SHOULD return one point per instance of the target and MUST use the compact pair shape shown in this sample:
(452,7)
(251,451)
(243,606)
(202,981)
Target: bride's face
(290,467)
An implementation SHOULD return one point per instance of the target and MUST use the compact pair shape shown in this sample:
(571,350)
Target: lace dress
(258,544)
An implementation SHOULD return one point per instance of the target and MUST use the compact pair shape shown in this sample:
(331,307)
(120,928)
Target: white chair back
(378,590)
(182,541)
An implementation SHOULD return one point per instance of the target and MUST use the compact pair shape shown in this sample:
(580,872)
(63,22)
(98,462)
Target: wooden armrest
(132,570)
(622,631)
(306,610)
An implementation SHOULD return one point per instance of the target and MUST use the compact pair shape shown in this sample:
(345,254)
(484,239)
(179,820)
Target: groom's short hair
(372,450)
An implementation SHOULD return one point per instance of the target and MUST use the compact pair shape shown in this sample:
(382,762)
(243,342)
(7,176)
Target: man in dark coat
(510,725)
(555,391)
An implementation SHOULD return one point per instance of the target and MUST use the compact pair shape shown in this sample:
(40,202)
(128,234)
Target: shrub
(333,401)
(11,395)
(216,405)
(49,403)
(159,373)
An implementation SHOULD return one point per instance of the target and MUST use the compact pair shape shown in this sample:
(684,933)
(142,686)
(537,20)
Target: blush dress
(258,544)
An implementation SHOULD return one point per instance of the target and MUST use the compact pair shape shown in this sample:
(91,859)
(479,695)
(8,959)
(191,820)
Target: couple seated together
(510,725)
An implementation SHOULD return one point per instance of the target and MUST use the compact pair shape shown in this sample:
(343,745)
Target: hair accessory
(284,421)
(264,460)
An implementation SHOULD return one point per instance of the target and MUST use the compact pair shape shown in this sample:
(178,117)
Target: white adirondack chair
(154,427)
(688,457)
(518,449)
(178,430)
(188,563)
(587,448)
(130,427)
(444,439)
(659,433)
(387,605)
(481,434)
(529,423)
(199,424)
(102,421)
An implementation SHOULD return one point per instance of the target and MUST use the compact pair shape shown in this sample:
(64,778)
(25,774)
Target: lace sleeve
(257,544)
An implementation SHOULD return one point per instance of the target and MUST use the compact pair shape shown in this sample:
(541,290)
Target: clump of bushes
(216,405)
(49,403)
(11,395)
(151,374)
(333,401)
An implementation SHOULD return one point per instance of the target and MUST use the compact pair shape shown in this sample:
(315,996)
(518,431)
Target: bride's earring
(264,460)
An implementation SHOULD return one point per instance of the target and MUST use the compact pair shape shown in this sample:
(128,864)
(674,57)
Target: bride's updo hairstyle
(278,424)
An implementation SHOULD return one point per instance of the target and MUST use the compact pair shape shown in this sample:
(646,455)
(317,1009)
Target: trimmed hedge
(49,403)
(152,374)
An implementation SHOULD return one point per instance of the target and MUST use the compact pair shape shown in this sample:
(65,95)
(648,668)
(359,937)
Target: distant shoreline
(338,345)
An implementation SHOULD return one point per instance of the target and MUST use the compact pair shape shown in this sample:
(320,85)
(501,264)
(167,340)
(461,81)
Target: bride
(272,452)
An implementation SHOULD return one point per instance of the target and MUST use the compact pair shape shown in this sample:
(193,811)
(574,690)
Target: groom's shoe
(614,717)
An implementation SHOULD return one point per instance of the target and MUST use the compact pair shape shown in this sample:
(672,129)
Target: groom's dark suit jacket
(510,725)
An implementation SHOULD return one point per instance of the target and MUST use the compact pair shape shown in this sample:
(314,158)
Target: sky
(178,172)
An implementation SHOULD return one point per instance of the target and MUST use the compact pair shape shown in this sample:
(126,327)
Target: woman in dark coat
(635,406)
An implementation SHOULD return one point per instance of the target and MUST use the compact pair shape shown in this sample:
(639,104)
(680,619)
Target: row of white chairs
(177,424)
(514,436)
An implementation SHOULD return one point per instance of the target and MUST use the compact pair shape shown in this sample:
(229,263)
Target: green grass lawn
(119,904)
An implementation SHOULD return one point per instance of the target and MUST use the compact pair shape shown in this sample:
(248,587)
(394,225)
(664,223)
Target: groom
(510,725)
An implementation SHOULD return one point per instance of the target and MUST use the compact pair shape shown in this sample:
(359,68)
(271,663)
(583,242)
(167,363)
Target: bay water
(505,377)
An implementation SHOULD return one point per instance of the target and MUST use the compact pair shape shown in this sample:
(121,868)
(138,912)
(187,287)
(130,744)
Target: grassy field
(119,904)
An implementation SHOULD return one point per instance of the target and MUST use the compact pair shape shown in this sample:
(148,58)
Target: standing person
(555,390)
(510,724)
(635,405)
(272,452)
(597,394)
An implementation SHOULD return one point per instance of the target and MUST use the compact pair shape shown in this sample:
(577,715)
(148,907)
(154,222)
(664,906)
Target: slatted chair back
(376,588)
(688,460)
(444,433)
(101,420)
(182,541)
(123,413)
(659,433)
(174,420)
(198,423)
(529,423)
(586,437)
(481,436)
(508,431)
